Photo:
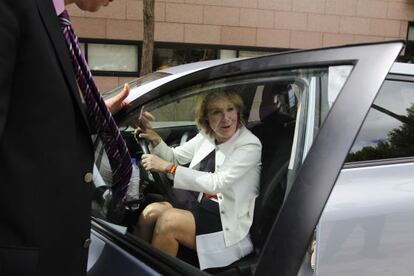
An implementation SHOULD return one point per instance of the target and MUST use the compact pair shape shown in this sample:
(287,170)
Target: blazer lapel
(50,20)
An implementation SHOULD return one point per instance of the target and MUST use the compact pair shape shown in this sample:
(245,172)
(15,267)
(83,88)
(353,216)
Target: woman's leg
(174,227)
(148,218)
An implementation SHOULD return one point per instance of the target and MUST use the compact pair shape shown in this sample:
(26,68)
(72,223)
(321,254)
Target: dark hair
(202,103)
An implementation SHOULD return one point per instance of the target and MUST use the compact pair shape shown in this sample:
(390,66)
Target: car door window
(306,95)
(388,129)
(320,94)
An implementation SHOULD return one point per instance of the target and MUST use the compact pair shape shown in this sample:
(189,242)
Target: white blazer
(235,180)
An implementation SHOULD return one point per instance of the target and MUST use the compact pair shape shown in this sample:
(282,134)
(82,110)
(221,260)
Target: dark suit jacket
(45,147)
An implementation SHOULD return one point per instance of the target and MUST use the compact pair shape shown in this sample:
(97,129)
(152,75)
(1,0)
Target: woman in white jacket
(224,167)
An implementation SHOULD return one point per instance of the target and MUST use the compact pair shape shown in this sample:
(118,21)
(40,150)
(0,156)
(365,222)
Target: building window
(409,47)
(253,53)
(410,34)
(223,53)
(113,57)
(172,55)
(123,58)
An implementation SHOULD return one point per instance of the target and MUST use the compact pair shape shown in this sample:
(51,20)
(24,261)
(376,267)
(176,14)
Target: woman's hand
(150,135)
(153,163)
(145,130)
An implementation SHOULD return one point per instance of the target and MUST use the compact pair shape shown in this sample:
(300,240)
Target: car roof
(197,65)
(175,72)
(402,68)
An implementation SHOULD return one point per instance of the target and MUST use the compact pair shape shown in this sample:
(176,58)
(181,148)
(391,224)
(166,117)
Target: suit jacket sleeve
(9,31)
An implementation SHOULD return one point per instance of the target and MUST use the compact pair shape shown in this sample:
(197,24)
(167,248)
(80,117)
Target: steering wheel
(163,183)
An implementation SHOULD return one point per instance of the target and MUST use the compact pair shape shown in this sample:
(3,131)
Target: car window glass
(320,92)
(337,76)
(179,111)
(387,132)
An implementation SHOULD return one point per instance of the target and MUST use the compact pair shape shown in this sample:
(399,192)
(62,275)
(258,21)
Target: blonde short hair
(202,104)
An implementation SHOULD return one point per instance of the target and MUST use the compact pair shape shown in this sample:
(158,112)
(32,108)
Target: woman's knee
(173,221)
(154,210)
(177,224)
(167,222)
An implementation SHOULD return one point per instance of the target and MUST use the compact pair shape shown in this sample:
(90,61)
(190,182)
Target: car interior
(272,108)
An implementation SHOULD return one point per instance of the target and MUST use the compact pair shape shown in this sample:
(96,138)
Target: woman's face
(222,118)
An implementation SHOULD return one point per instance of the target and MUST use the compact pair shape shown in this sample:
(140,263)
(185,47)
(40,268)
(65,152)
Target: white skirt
(213,252)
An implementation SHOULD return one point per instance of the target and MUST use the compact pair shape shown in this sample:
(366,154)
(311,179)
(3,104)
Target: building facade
(191,30)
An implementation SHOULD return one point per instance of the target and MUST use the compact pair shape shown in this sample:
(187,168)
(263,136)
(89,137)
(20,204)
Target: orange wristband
(172,169)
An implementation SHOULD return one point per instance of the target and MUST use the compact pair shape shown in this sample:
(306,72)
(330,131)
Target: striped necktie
(98,113)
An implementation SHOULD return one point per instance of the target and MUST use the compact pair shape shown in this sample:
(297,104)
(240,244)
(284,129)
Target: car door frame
(290,235)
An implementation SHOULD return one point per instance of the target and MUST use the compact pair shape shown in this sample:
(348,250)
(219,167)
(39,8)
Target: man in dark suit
(46,153)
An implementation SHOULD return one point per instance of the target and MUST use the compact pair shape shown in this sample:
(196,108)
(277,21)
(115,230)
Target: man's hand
(153,163)
(119,101)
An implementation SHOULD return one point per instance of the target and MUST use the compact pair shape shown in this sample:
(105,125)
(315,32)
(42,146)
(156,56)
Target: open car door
(326,92)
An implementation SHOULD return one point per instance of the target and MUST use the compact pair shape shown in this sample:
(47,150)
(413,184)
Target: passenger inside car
(224,168)
(274,125)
